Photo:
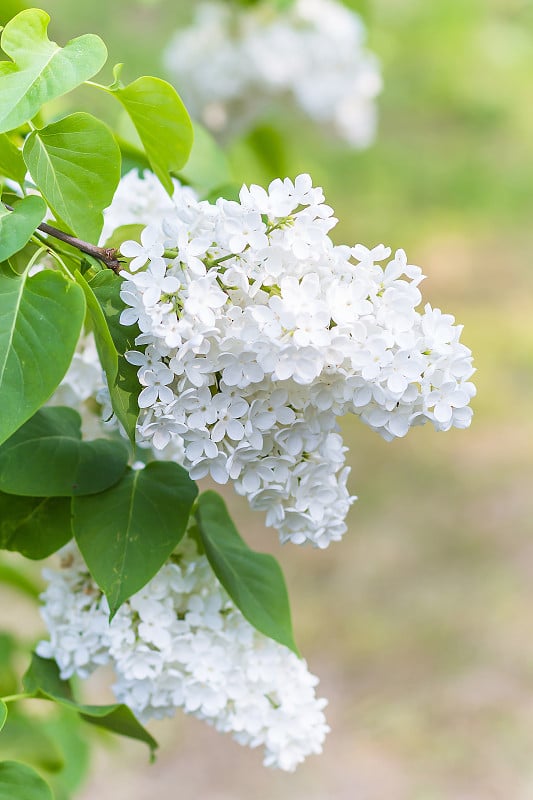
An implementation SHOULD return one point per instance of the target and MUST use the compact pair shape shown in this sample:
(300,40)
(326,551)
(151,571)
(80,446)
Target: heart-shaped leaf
(53,437)
(40,323)
(127,533)
(75,163)
(40,70)
(162,122)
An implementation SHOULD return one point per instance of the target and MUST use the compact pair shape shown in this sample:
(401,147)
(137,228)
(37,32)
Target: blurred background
(419,622)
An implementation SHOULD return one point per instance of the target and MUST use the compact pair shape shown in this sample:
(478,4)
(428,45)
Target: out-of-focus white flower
(181,643)
(232,61)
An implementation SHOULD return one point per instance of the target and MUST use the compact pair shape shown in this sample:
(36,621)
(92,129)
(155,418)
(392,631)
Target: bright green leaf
(40,322)
(42,680)
(127,533)
(254,581)
(20,782)
(53,437)
(3,714)
(162,122)
(41,70)
(34,526)
(11,162)
(17,226)
(75,163)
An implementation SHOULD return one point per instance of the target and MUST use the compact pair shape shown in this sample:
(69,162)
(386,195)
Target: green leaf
(42,680)
(162,122)
(124,388)
(53,437)
(17,226)
(11,162)
(208,165)
(127,533)
(254,581)
(3,714)
(41,70)
(40,323)
(19,782)
(75,163)
(34,526)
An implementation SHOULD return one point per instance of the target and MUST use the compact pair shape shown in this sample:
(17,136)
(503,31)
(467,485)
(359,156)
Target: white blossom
(246,364)
(264,364)
(181,643)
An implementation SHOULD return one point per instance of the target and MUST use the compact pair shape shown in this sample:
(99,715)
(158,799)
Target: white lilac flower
(247,368)
(313,51)
(181,643)
(246,364)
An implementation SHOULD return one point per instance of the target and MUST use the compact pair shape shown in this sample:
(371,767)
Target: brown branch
(107,255)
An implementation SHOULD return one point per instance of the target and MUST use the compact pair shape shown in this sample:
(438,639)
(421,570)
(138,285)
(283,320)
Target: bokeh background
(420,622)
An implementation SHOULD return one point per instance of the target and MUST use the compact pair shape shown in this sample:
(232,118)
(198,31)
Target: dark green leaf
(106,286)
(125,387)
(254,581)
(42,680)
(11,162)
(19,782)
(53,437)
(127,533)
(34,526)
(162,122)
(105,345)
(40,323)
(41,70)
(17,226)
(75,163)
(3,714)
